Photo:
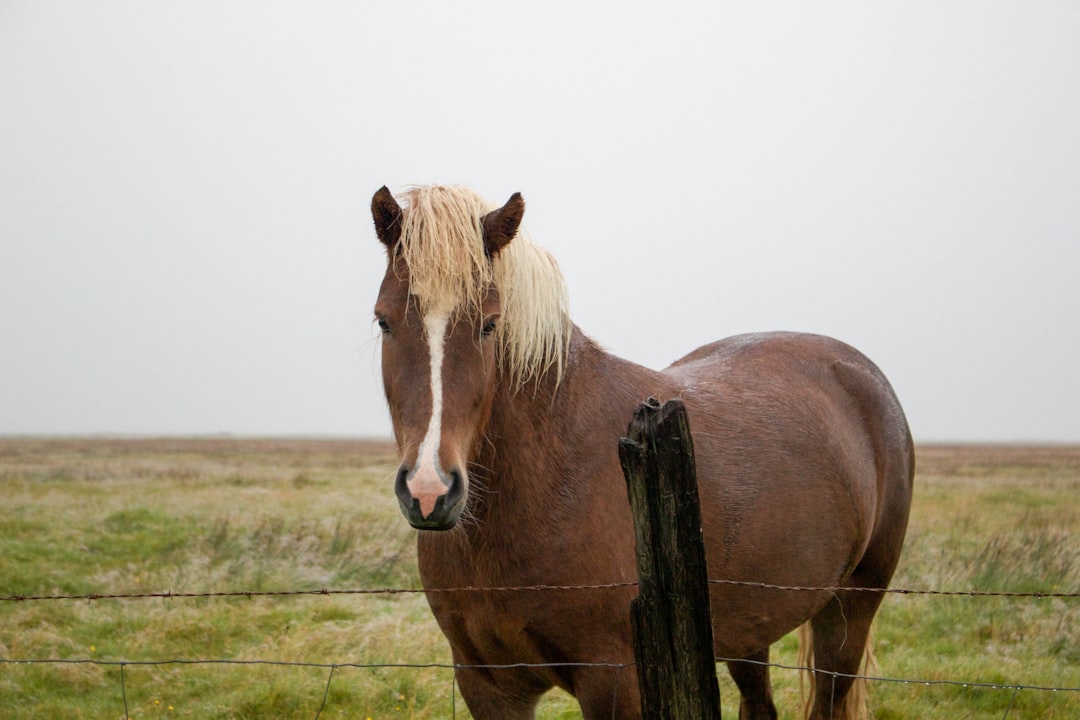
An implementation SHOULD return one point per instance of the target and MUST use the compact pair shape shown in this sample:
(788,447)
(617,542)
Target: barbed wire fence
(332,668)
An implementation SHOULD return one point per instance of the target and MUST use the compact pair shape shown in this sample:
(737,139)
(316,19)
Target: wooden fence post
(670,617)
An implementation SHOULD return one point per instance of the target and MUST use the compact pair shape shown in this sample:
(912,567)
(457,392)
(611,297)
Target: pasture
(144,517)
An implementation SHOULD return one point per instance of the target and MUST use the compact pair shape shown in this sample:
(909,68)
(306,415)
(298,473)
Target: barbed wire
(333,667)
(519,666)
(906,681)
(251,594)
(310,664)
(1036,594)
(971,684)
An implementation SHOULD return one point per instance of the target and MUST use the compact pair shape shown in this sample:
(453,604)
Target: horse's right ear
(387,214)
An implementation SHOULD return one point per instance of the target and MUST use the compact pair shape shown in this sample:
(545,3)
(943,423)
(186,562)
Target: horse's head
(439,310)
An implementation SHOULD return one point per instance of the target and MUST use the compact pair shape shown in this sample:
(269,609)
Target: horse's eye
(384,326)
(490,326)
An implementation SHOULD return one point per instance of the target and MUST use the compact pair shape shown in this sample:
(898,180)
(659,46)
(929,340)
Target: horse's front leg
(498,693)
(752,679)
(607,693)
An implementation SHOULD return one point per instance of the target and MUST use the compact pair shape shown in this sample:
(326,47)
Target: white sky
(186,246)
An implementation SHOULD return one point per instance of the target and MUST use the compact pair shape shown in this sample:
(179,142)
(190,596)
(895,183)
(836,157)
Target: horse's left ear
(500,226)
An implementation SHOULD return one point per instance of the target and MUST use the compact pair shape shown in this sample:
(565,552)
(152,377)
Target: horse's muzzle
(433,502)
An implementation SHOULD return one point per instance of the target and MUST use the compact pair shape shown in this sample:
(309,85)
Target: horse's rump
(799,445)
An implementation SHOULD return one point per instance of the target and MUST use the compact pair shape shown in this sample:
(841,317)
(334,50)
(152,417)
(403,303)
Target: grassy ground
(151,516)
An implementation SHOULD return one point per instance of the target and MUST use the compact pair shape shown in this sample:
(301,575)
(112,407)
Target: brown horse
(507,418)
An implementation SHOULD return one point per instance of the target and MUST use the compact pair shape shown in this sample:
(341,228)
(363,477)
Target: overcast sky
(186,245)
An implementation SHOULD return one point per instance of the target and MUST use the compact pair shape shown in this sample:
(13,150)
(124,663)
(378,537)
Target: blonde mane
(442,245)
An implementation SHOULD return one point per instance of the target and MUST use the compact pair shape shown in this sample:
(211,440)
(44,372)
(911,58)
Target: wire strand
(251,594)
(618,667)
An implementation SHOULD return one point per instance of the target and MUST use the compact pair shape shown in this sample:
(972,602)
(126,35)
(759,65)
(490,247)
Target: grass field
(101,517)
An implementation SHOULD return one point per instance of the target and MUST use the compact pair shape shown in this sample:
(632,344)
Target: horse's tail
(857,706)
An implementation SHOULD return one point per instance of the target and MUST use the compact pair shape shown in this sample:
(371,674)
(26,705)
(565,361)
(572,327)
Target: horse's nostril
(455,487)
(401,489)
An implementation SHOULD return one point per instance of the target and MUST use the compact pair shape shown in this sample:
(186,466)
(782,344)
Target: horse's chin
(439,520)
(430,525)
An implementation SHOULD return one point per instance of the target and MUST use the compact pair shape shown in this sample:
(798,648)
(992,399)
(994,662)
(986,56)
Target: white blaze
(426,485)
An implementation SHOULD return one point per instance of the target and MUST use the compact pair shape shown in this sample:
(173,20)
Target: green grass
(986,519)
(86,517)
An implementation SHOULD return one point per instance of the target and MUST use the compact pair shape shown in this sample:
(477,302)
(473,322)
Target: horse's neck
(547,474)
(545,442)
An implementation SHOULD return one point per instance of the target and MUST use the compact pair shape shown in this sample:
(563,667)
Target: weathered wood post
(670,617)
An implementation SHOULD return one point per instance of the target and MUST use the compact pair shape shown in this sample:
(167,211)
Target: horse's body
(804,464)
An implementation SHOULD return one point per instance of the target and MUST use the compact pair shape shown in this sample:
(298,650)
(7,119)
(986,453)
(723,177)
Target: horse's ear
(500,226)
(387,214)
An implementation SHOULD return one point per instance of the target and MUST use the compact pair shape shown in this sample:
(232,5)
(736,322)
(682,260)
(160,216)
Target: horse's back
(783,383)
(804,463)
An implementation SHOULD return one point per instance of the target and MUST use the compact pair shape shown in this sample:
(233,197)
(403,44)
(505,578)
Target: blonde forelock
(443,248)
(442,245)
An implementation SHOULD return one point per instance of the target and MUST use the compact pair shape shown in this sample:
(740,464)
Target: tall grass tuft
(1030,560)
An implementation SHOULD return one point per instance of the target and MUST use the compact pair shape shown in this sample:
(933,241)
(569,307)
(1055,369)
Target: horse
(507,419)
